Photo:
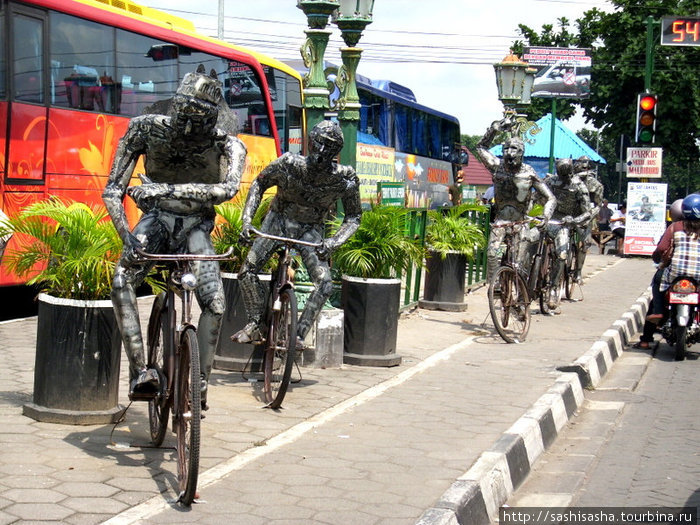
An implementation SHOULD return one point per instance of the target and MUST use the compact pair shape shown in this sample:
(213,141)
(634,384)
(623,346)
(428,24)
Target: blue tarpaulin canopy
(566,145)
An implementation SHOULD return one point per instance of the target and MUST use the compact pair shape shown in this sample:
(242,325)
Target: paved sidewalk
(352,445)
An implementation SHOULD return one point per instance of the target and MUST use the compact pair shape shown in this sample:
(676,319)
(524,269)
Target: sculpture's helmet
(198,97)
(329,135)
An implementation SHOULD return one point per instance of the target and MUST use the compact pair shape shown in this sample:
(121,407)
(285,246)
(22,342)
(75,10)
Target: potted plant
(230,355)
(452,239)
(69,251)
(371,262)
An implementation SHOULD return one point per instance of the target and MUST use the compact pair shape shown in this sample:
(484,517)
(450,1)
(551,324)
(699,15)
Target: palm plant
(229,226)
(379,248)
(451,230)
(68,249)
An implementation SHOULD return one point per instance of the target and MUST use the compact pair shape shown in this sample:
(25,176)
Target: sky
(444,50)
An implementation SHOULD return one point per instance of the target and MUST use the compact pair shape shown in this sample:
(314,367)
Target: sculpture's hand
(147,195)
(130,246)
(245,236)
(327,247)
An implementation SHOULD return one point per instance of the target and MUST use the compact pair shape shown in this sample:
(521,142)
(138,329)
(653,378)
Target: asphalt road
(634,443)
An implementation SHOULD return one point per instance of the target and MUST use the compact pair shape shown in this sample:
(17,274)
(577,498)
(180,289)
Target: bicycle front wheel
(281,347)
(188,416)
(509,305)
(158,407)
(572,260)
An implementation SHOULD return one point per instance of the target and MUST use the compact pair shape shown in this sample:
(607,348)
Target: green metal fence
(476,269)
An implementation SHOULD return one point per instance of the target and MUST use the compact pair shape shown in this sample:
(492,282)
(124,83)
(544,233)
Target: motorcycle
(682,328)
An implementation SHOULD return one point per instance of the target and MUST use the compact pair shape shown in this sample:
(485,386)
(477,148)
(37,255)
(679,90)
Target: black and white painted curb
(475,497)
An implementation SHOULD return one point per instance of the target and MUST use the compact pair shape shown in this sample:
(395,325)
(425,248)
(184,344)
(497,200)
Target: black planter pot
(371,310)
(444,282)
(232,356)
(78,353)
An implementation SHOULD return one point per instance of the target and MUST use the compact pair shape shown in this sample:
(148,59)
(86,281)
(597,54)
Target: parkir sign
(644,162)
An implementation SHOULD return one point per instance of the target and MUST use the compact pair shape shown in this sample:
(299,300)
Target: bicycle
(510,293)
(279,323)
(174,352)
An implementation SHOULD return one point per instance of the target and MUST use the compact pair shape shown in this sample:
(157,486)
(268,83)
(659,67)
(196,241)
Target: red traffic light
(647,102)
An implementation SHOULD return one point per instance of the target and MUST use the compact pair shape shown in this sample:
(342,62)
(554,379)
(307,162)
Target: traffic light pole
(649,62)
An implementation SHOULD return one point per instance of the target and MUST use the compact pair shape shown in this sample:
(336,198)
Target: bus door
(26,112)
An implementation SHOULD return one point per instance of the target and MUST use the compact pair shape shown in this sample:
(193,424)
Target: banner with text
(645,221)
(374,164)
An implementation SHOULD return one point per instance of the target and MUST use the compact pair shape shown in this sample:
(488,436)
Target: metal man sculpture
(584,171)
(513,183)
(307,191)
(190,166)
(573,209)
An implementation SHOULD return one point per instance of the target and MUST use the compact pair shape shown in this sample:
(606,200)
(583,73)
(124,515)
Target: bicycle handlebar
(285,239)
(184,256)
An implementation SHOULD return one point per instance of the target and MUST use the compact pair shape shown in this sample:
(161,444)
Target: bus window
(285,93)
(141,78)
(82,64)
(28,56)
(244,95)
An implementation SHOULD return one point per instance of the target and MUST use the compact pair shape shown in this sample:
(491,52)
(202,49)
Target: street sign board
(680,31)
(644,163)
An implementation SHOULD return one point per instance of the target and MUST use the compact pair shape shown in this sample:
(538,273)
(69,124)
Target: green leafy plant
(67,249)
(379,248)
(229,226)
(452,230)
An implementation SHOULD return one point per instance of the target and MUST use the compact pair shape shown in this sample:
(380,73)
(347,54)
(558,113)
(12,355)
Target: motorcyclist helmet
(676,210)
(691,207)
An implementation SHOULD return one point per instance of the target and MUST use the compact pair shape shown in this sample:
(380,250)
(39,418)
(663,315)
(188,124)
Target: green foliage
(379,248)
(77,247)
(452,230)
(618,41)
(228,229)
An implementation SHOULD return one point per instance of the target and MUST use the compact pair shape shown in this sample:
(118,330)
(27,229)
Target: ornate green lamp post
(351,18)
(514,79)
(316,94)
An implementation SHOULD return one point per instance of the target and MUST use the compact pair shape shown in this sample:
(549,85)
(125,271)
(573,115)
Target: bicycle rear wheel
(158,407)
(509,305)
(188,416)
(281,347)
(572,260)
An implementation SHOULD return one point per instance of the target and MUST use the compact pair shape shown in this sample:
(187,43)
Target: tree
(618,42)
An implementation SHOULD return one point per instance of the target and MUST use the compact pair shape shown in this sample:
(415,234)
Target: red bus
(73,72)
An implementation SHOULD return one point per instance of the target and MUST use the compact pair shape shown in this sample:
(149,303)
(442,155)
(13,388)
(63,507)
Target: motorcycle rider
(678,254)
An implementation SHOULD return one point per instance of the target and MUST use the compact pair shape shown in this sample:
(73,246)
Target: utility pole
(220,30)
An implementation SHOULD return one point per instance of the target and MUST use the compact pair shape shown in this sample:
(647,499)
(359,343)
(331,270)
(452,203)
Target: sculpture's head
(565,168)
(513,150)
(325,142)
(582,164)
(196,102)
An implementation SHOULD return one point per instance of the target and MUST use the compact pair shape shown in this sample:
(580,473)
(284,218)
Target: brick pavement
(352,445)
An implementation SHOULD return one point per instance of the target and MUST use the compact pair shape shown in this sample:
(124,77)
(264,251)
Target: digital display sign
(680,31)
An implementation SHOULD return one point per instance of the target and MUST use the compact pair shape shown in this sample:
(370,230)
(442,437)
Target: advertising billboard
(562,72)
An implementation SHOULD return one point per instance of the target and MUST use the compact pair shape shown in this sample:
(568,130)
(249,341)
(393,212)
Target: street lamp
(351,18)
(514,80)
(316,94)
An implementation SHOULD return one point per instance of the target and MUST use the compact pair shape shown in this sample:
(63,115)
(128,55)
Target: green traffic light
(646,135)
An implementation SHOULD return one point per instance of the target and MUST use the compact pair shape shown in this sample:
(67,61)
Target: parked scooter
(682,327)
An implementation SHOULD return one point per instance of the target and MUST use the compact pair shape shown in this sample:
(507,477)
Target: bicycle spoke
(159,407)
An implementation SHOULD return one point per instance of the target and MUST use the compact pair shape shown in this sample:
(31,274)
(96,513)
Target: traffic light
(646,118)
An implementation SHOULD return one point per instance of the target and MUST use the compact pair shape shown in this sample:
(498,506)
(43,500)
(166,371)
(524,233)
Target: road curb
(475,497)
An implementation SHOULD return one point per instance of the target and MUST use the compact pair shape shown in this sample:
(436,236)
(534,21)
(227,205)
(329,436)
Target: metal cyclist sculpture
(307,191)
(190,166)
